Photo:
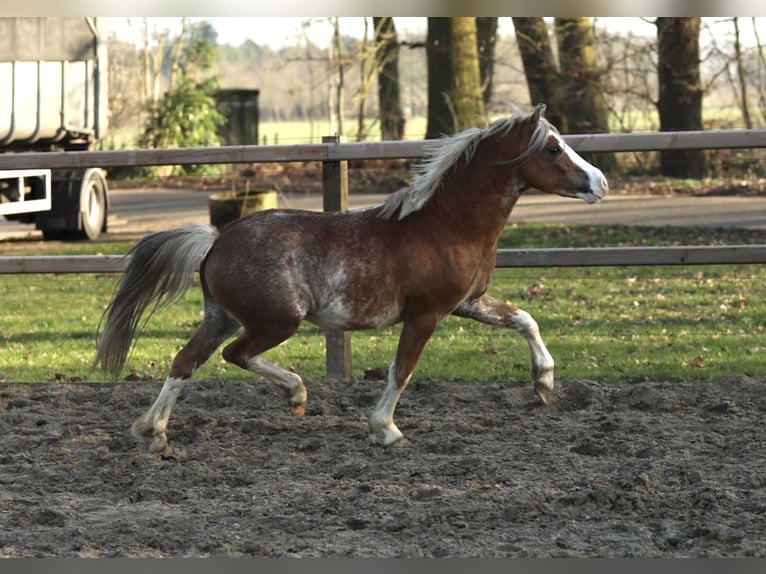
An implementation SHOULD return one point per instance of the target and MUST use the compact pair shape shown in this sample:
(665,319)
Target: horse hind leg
(216,327)
(246,350)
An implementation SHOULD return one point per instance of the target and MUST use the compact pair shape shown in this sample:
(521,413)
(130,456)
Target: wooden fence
(334,156)
(556,257)
(335,151)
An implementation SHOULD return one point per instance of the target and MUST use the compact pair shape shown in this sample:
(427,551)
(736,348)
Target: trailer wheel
(79,206)
(93,205)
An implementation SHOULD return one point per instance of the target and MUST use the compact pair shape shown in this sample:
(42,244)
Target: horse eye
(554,150)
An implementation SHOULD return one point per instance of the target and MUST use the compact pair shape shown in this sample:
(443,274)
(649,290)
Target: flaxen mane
(442,154)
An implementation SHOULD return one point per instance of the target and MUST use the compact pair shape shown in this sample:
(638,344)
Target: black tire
(91,209)
(94,210)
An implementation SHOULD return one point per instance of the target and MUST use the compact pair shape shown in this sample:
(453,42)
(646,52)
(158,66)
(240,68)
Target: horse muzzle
(590,197)
(595,188)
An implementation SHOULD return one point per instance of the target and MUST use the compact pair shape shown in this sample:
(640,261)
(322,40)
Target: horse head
(550,165)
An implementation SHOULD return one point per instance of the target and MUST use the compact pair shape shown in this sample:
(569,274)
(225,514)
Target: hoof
(156,442)
(544,395)
(544,385)
(296,399)
(159,445)
(387,436)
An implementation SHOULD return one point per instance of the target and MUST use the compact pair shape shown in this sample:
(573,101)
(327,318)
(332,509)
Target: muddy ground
(615,470)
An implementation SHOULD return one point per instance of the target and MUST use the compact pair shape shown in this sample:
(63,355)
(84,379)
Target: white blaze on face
(596,179)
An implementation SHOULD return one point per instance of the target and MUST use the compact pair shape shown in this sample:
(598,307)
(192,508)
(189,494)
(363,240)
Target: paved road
(146,210)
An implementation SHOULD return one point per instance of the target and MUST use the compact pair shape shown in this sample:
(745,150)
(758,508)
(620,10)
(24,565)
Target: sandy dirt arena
(638,469)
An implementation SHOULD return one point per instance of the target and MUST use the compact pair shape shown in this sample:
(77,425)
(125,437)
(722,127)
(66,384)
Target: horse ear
(539,111)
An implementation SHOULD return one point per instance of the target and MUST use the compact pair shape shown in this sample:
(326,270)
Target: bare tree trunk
(127,89)
(158,56)
(389,96)
(741,77)
(152,64)
(340,82)
(761,68)
(466,94)
(146,61)
(584,105)
(680,92)
(439,77)
(178,49)
(310,61)
(486,39)
(543,80)
(364,84)
(331,92)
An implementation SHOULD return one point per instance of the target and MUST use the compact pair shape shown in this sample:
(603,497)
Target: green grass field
(602,323)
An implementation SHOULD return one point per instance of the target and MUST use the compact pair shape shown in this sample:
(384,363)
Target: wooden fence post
(335,198)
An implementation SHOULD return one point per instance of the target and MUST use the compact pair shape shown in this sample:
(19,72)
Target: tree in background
(125,103)
(572,90)
(455,96)
(486,40)
(760,76)
(293,80)
(680,92)
(152,61)
(186,115)
(741,68)
(543,78)
(582,100)
(337,78)
(387,64)
(741,77)
(439,77)
(466,95)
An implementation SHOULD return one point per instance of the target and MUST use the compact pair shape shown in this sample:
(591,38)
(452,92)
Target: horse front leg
(414,335)
(491,311)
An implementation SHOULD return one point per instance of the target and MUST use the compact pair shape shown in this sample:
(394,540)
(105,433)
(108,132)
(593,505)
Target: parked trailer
(53,97)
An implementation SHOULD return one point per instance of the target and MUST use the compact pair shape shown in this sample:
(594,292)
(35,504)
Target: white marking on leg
(154,422)
(542,361)
(381,421)
(291,384)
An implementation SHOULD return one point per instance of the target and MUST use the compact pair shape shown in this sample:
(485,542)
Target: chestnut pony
(426,252)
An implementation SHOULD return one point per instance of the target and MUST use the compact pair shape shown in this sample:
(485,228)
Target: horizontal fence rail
(649,141)
(62,264)
(619,256)
(556,257)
